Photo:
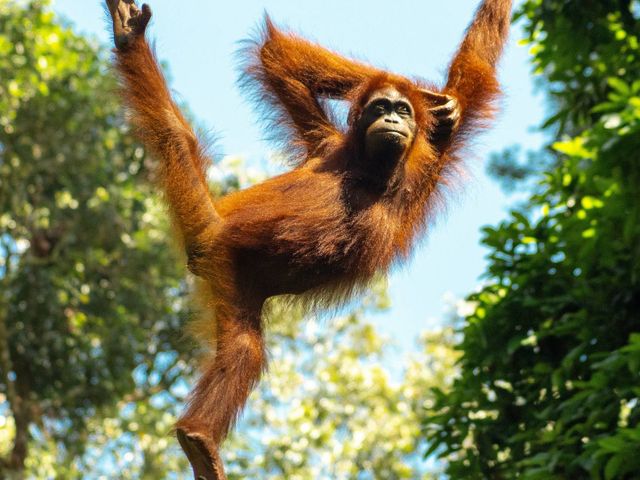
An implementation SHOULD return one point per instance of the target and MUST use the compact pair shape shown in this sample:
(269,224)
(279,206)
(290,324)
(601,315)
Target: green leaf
(619,86)
(613,467)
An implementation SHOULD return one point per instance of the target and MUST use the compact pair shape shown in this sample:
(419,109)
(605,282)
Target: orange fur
(322,229)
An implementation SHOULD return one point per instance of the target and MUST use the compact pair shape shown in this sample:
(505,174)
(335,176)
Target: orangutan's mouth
(391,132)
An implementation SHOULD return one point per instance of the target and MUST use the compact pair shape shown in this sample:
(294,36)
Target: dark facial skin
(388,125)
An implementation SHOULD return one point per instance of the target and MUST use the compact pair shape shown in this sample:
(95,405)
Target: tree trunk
(13,465)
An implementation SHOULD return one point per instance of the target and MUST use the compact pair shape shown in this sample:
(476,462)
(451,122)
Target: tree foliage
(88,286)
(550,367)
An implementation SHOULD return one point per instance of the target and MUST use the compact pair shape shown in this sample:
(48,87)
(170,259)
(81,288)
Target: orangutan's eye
(403,109)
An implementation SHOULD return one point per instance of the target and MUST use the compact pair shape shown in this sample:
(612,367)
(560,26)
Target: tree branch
(16,403)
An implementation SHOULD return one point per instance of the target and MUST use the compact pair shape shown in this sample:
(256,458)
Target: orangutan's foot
(202,456)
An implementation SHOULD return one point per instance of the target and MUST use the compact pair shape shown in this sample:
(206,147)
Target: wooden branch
(6,365)
(16,403)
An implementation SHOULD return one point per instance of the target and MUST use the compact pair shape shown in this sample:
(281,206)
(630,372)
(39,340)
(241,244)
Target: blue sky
(198,40)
